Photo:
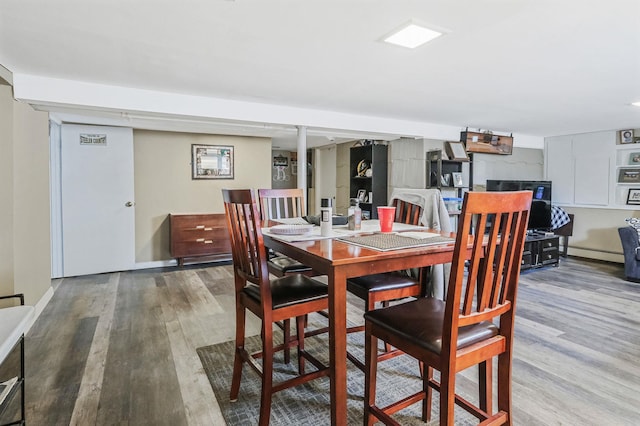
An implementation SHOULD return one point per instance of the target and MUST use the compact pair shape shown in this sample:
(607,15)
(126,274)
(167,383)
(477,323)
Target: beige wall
(595,233)
(163,184)
(25,249)
(6,190)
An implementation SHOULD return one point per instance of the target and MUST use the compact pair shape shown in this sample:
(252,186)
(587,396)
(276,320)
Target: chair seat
(290,290)
(420,322)
(381,282)
(285,264)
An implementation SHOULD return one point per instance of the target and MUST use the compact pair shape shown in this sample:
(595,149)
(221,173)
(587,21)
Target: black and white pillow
(634,222)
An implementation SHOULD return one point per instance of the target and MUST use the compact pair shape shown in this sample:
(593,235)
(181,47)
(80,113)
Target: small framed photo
(362,195)
(634,196)
(626,136)
(634,159)
(457,179)
(445,179)
(629,176)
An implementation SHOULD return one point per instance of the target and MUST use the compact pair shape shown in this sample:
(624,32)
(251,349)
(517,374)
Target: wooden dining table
(340,260)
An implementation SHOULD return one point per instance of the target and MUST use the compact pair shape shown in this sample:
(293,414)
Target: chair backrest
(247,244)
(407,212)
(281,203)
(488,289)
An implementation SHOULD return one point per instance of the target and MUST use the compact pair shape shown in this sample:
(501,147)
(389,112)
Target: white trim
(59,92)
(55,200)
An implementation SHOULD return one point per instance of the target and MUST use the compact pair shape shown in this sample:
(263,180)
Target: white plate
(293,229)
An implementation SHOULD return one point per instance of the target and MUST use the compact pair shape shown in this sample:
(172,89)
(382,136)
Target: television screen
(540,213)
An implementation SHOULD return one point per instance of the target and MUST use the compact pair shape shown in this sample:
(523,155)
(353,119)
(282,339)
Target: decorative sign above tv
(487,142)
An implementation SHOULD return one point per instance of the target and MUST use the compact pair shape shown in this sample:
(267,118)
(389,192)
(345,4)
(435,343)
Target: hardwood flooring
(120,348)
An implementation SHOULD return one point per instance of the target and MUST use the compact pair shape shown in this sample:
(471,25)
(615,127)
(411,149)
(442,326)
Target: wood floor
(120,348)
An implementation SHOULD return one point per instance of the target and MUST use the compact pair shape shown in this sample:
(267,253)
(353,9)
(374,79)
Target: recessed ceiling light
(636,103)
(412,35)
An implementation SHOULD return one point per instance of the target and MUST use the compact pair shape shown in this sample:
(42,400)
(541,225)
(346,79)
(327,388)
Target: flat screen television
(540,213)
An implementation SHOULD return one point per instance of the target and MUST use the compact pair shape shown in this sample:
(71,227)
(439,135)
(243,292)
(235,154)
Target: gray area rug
(309,404)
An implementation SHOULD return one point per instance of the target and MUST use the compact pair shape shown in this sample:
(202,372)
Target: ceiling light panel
(412,35)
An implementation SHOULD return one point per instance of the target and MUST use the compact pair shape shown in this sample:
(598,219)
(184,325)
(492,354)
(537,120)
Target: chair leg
(428,391)
(370,371)
(387,347)
(504,384)
(447,396)
(485,383)
(300,324)
(237,359)
(286,329)
(267,375)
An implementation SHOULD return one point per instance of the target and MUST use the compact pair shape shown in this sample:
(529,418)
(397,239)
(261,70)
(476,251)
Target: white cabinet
(559,168)
(580,167)
(593,170)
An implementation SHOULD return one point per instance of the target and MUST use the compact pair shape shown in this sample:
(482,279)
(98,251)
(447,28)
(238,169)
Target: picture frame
(212,162)
(626,136)
(633,197)
(456,151)
(445,179)
(456,178)
(362,195)
(634,159)
(628,175)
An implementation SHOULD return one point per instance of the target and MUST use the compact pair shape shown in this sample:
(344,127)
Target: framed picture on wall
(626,136)
(629,176)
(211,162)
(634,196)
(634,159)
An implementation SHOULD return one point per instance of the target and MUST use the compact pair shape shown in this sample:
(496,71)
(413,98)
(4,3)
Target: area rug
(309,404)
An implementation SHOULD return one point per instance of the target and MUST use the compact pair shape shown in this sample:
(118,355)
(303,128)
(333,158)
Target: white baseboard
(594,254)
(156,264)
(40,305)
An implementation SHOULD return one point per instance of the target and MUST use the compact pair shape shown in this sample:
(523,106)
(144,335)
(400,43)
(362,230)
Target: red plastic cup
(386,216)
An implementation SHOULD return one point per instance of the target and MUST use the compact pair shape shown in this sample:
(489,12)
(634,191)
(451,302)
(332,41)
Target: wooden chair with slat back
(270,300)
(388,286)
(460,332)
(283,204)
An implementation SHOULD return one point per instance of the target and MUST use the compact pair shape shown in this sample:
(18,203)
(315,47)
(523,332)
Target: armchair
(630,248)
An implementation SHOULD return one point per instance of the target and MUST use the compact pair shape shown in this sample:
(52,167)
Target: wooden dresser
(197,235)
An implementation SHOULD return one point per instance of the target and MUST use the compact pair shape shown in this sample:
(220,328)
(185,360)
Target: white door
(98,217)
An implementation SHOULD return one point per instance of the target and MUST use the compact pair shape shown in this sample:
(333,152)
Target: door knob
(129,203)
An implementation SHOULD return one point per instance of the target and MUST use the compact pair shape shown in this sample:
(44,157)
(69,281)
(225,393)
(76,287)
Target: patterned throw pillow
(634,222)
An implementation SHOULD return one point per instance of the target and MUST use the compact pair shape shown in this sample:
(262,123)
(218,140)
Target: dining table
(342,255)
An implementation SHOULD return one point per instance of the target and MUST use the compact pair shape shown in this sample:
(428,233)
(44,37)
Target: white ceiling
(532,67)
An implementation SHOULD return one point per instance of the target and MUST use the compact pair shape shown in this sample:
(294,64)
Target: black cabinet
(540,250)
(368,177)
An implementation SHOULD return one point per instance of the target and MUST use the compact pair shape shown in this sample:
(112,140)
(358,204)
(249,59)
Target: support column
(302,157)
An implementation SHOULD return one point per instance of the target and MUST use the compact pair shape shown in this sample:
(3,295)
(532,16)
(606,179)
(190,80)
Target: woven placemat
(391,241)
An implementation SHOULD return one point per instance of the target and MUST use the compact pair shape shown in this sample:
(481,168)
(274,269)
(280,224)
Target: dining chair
(270,300)
(389,286)
(474,324)
(277,204)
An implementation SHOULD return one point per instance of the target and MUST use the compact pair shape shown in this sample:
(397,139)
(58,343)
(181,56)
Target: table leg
(338,346)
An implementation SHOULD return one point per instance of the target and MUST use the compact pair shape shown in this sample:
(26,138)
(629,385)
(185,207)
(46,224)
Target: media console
(540,249)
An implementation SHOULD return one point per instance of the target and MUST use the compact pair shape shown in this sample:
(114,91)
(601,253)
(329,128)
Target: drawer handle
(199,226)
(208,229)
(200,240)
(208,242)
